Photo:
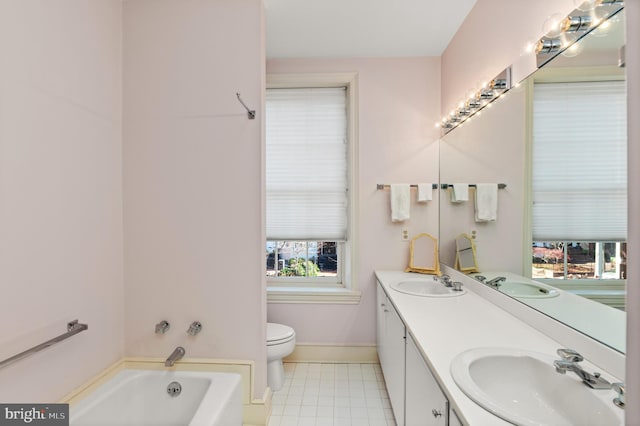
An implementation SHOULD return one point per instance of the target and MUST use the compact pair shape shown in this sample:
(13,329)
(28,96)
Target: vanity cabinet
(416,398)
(425,404)
(391,352)
(453,418)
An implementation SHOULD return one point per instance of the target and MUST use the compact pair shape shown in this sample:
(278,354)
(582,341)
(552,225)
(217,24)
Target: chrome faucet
(569,362)
(495,282)
(176,355)
(446,280)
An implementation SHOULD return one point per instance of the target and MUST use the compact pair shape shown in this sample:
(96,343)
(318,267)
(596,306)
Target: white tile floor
(332,395)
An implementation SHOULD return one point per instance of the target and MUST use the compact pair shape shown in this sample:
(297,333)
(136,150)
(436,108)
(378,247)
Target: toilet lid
(276,333)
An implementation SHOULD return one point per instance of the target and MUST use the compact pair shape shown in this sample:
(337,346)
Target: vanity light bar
(576,25)
(481,98)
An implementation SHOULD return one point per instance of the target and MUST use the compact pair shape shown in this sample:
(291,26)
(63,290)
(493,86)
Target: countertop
(444,327)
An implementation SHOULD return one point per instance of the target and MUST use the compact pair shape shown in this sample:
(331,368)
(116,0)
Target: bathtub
(143,397)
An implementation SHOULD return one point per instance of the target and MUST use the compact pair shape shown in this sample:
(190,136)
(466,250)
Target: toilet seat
(278,334)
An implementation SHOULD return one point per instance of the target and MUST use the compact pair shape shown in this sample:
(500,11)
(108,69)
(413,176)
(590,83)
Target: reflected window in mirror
(579,260)
(579,182)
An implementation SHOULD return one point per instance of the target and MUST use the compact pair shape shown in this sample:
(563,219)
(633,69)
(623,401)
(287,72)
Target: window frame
(308,289)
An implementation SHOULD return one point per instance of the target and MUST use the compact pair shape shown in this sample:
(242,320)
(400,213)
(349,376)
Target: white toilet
(281,341)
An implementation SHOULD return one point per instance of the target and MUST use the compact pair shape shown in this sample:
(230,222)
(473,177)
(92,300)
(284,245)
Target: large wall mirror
(558,142)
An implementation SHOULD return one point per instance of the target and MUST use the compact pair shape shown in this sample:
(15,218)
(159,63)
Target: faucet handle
(162,327)
(480,278)
(619,388)
(446,279)
(570,355)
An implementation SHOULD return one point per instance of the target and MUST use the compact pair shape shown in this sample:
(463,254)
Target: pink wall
(492,37)
(398,104)
(632,15)
(193,168)
(60,192)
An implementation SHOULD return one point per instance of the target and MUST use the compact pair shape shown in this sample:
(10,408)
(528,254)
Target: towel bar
(386,185)
(472,185)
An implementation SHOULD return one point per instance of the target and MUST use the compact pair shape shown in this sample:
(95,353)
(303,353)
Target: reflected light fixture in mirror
(561,35)
(477,101)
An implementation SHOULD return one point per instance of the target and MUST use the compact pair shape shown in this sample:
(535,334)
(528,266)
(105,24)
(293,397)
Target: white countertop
(445,327)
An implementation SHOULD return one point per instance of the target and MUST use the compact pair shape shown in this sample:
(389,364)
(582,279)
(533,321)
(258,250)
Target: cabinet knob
(436,413)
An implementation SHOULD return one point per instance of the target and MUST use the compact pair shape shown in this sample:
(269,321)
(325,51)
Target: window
(309,191)
(579,180)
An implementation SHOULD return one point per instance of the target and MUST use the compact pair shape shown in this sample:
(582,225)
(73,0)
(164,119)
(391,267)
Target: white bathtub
(140,397)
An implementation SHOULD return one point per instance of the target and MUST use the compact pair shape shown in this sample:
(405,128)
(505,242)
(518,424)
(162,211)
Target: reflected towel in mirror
(459,192)
(486,205)
(425,192)
(400,201)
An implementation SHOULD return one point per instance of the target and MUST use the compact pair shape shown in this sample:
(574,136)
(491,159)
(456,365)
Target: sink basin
(428,288)
(523,388)
(527,290)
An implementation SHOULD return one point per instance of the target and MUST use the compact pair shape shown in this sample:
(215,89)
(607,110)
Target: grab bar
(73,328)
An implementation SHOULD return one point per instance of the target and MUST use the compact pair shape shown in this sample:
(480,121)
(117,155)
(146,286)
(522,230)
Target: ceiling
(361,28)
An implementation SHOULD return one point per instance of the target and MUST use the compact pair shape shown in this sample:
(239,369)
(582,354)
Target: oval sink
(527,290)
(428,288)
(523,388)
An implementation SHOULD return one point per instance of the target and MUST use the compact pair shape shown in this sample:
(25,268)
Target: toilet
(281,341)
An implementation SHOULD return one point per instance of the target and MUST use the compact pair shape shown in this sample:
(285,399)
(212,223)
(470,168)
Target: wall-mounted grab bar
(73,328)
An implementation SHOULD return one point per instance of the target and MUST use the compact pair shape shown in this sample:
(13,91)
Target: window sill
(312,295)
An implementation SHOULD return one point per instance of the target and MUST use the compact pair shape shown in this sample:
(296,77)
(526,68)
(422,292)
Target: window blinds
(580,161)
(306,157)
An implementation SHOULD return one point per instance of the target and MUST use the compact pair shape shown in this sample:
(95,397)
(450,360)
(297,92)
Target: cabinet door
(381,308)
(426,405)
(394,376)
(391,351)
(453,418)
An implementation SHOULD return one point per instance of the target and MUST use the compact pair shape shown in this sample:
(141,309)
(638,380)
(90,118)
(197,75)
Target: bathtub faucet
(176,355)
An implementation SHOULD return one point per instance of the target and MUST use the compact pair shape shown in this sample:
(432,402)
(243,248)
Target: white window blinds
(580,161)
(306,154)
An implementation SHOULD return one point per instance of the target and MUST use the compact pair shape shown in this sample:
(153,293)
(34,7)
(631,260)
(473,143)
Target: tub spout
(176,355)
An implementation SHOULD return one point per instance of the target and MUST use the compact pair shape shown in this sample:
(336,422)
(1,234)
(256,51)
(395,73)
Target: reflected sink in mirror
(527,290)
(427,288)
(523,388)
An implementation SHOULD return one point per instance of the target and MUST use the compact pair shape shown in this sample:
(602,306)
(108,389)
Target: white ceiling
(361,28)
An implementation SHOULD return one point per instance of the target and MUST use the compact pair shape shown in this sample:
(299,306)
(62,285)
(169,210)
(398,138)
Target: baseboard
(334,354)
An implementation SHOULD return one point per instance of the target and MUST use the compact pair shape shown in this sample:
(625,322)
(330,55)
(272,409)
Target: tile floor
(332,395)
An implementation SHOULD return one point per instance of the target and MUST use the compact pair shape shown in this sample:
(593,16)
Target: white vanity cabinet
(453,418)
(414,393)
(425,404)
(391,351)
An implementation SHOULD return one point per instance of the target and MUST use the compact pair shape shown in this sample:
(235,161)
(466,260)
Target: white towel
(486,202)
(400,202)
(459,192)
(425,192)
